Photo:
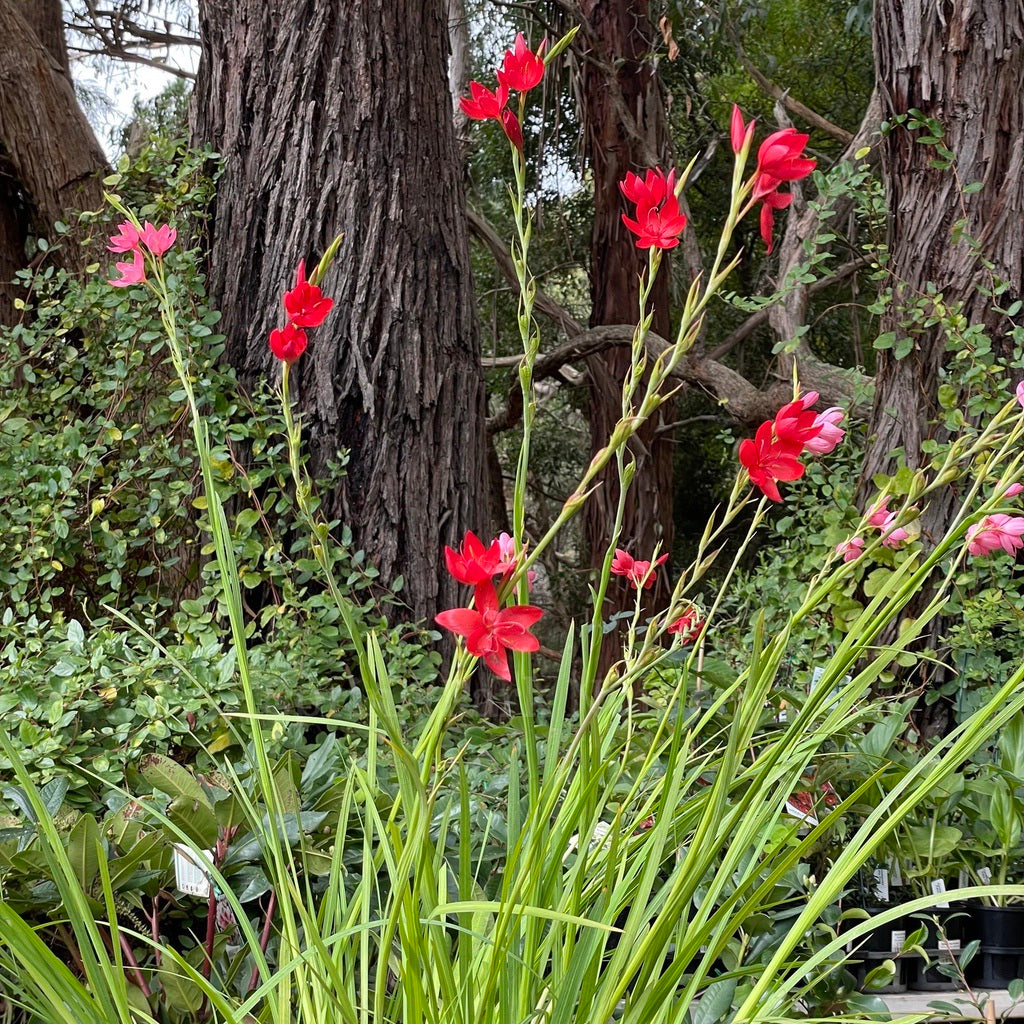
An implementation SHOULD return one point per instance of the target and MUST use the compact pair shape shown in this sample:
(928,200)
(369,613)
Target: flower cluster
(490,630)
(639,573)
(658,222)
(687,627)
(773,453)
(520,71)
(779,159)
(998,532)
(305,306)
(137,241)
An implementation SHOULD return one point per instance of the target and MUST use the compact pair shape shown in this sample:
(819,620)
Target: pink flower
(658,222)
(640,574)
(474,563)
(484,104)
(780,158)
(885,521)
(851,549)
(829,432)
(513,129)
(880,516)
(126,239)
(490,633)
(687,626)
(305,304)
(522,69)
(771,202)
(1020,393)
(288,342)
(131,273)
(996,532)
(894,538)
(768,460)
(739,134)
(157,240)
(1013,490)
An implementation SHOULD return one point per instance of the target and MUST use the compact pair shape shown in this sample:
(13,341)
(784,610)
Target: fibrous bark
(961,63)
(337,118)
(50,161)
(626,130)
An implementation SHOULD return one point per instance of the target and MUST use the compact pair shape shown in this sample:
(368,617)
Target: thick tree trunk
(337,117)
(625,127)
(50,161)
(961,63)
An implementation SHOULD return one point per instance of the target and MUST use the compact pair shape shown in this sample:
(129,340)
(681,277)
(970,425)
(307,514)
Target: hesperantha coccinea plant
(639,874)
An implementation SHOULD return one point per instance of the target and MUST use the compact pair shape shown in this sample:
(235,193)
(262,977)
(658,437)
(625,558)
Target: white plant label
(898,938)
(897,875)
(190,876)
(939,887)
(882,884)
(985,875)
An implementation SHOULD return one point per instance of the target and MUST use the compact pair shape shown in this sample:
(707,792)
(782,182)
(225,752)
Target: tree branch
(760,318)
(793,106)
(543,302)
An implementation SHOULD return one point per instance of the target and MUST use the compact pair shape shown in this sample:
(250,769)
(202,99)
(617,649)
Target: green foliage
(101,513)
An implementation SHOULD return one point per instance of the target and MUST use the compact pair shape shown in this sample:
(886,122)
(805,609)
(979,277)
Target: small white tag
(190,876)
(882,884)
(963,880)
(985,874)
(897,875)
(898,938)
(938,888)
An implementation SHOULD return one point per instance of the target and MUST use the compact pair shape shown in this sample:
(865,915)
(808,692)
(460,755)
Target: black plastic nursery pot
(943,942)
(1001,958)
(869,961)
(886,939)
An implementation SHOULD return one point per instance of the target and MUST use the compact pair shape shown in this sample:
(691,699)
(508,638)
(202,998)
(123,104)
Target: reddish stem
(264,939)
(134,965)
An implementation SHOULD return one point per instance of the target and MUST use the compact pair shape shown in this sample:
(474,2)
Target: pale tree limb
(793,106)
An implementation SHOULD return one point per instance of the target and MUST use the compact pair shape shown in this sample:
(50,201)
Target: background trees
(336,119)
(333,120)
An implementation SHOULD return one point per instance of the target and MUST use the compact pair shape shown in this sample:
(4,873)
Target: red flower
(513,129)
(522,69)
(780,158)
(157,240)
(484,104)
(491,632)
(640,574)
(770,203)
(649,190)
(768,460)
(475,563)
(131,273)
(658,222)
(795,424)
(305,304)
(687,626)
(739,133)
(288,342)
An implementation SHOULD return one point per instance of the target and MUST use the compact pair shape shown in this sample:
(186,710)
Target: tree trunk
(50,161)
(337,117)
(626,130)
(961,63)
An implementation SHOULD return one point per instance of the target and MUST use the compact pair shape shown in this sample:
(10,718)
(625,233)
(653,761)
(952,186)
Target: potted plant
(928,851)
(993,816)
